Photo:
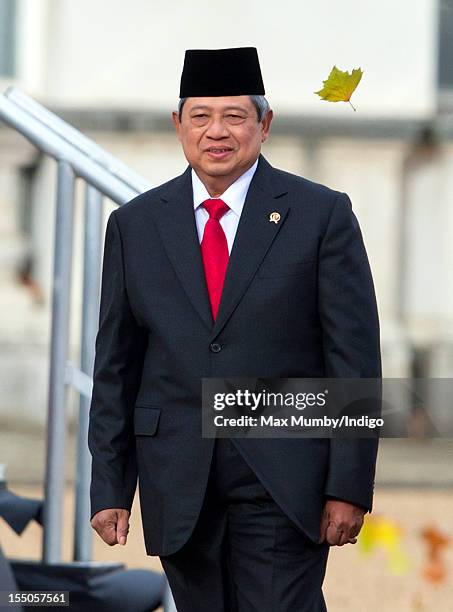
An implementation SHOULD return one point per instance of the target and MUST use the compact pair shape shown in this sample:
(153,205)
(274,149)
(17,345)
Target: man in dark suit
(233,269)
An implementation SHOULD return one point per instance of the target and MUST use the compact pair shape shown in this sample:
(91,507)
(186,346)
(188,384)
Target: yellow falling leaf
(340,85)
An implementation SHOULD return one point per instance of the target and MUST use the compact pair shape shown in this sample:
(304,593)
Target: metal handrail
(77,156)
(72,136)
(47,132)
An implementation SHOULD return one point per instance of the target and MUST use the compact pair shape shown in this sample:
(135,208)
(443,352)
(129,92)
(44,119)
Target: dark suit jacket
(298,301)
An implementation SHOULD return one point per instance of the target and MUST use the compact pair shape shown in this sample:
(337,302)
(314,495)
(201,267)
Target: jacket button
(215,347)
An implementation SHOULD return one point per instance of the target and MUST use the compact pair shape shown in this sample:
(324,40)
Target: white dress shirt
(234,197)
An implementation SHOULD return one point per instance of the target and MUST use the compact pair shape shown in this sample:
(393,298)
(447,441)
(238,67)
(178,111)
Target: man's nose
(217,129)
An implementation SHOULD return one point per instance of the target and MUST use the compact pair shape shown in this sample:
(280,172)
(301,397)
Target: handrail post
(56,416)
(92,254)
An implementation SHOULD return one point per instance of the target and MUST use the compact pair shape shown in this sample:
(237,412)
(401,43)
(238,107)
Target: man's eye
(201,115)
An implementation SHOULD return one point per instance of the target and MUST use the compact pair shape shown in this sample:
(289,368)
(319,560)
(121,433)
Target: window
(7,37)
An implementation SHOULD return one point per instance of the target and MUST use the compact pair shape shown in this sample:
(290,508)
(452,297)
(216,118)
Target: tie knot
(216,208)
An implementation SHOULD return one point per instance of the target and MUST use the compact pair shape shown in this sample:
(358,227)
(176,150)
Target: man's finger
(355,530)
(333,534)
(121,535)
(108,534)
(122,528)
(344,537)
(339,534)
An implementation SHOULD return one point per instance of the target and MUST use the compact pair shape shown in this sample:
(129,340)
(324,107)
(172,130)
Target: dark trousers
(244,554)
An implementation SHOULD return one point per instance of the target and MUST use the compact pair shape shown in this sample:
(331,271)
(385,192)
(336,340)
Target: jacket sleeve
(351,344)
(120,347)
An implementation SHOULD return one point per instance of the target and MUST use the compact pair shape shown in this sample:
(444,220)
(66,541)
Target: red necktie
(214,251)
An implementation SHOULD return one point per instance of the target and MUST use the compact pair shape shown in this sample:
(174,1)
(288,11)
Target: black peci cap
(221,72)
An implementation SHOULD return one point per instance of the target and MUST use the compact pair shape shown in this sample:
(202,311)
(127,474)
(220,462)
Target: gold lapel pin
(274,217)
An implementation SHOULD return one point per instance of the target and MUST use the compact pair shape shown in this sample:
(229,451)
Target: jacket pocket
(146,420)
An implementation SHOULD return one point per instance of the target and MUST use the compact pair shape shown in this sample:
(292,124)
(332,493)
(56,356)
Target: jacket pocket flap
(146,420)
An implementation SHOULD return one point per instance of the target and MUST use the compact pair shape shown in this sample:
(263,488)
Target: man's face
(221,136)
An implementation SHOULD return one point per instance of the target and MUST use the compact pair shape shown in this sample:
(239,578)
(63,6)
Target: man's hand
(112,525)
(341,522)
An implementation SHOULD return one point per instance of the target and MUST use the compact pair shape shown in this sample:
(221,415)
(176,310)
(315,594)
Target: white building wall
(429,283)
(113,53)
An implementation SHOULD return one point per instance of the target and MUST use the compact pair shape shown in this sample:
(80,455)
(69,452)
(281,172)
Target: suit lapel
(175,220)
(254,236)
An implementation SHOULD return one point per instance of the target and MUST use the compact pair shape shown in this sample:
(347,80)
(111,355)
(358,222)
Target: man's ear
(176,122)
(266,124)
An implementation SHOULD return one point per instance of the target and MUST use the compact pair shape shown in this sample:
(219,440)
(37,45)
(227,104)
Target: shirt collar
(234,196)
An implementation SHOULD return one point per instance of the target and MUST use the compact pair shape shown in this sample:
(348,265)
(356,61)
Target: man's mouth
(218,152)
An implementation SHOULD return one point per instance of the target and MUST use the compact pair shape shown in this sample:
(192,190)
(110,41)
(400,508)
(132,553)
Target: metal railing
(104,175)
